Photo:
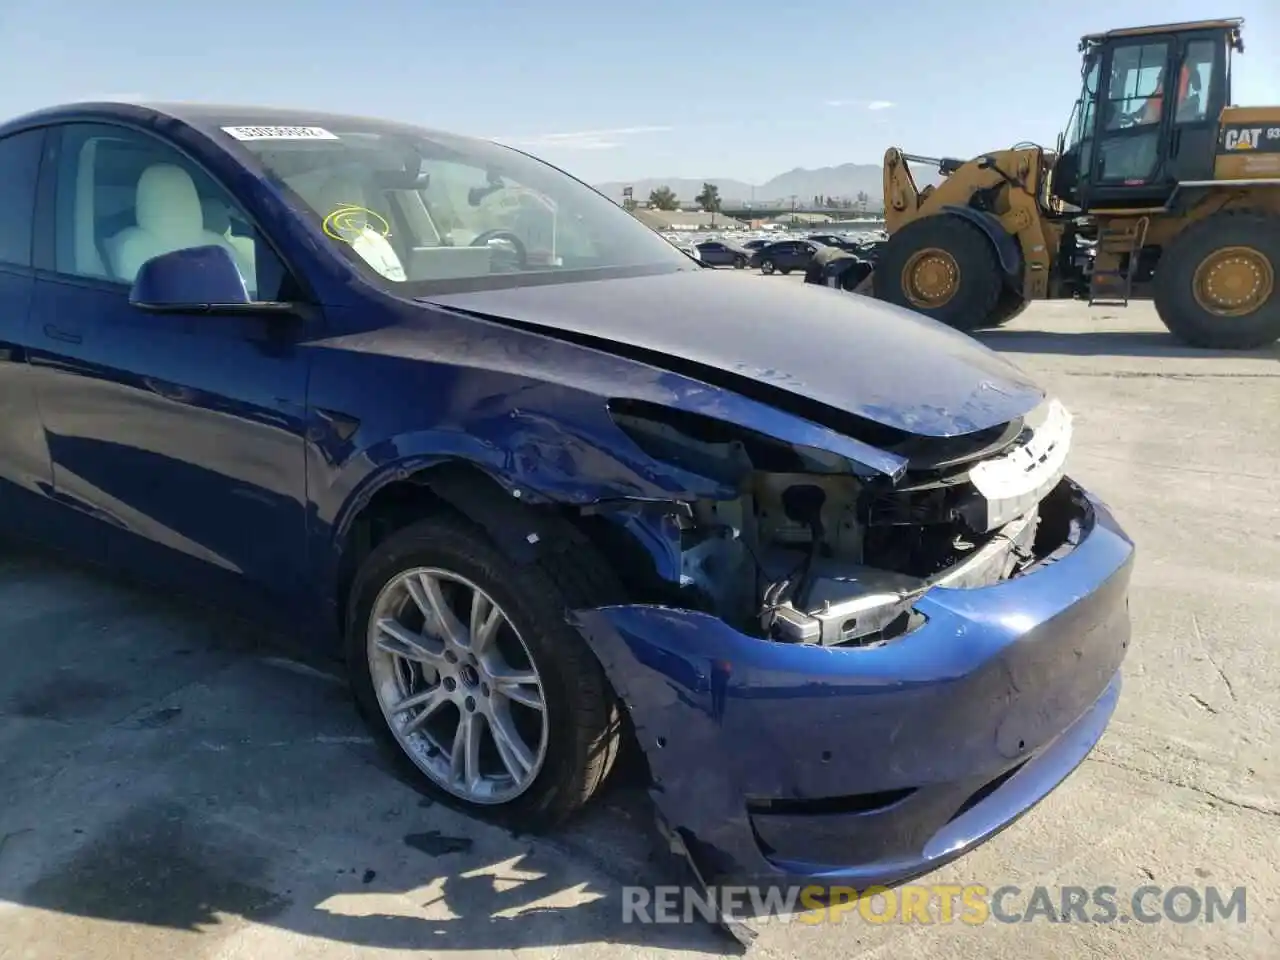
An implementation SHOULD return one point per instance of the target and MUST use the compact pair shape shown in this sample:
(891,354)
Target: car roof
(208,118)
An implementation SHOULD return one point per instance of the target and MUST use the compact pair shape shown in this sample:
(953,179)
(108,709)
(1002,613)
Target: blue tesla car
(548,486)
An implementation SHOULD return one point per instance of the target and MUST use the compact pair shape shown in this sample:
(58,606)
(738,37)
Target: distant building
(691,220)
(809,218)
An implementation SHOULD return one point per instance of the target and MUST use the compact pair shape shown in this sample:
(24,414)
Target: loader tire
(1215,285)
(1010,305)
(944,268)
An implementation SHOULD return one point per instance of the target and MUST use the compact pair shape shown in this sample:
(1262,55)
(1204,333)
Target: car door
(25,471)
(177,437)
(1129,157)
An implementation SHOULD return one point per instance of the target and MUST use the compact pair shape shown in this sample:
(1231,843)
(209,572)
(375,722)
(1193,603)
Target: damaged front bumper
(783,763)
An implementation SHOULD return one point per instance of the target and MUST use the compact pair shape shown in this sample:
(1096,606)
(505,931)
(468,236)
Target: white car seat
(218,219)
(169,218)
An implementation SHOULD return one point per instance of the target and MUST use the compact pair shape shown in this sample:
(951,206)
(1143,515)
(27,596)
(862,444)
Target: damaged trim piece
(1016,481)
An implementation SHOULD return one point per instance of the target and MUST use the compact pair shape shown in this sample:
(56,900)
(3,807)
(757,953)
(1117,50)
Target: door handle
(58,333)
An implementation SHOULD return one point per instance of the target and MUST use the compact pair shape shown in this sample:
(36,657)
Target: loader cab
(1147,115)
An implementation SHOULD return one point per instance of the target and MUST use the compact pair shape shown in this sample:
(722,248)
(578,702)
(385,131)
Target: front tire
(462,664)
(1009,305)
(944,268)
(1215,286)
(766,267)
(739,262)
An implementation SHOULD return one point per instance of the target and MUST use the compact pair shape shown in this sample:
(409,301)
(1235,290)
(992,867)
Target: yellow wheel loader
(1159,188)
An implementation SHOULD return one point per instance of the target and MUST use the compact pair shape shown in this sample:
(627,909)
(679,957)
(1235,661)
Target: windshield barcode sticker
(280,133)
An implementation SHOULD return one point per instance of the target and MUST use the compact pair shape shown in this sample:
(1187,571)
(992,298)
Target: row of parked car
(776,256)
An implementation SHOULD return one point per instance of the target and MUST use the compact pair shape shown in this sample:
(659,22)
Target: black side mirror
(196,280)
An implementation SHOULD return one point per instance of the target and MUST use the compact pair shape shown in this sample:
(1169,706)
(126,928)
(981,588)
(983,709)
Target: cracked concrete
(174,787)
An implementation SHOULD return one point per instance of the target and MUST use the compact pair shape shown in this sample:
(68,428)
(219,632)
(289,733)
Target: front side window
(1133,106)
(124,197)
(413,209)
(1081,126)
(19,168)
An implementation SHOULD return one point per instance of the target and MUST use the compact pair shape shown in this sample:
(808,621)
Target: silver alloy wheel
(457,685)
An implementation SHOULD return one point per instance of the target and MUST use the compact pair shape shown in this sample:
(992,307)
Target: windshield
(417,211)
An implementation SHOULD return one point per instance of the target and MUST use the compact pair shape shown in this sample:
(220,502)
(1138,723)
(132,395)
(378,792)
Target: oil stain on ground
(65,698)
(157,867)
(158,718)
(434,844)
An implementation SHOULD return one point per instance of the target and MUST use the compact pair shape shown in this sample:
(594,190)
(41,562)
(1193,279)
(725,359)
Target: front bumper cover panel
(776,763)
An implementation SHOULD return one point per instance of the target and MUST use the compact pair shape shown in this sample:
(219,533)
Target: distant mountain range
(844,181)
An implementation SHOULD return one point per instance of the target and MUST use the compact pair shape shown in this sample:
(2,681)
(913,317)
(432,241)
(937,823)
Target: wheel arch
(403,492)
(524,524)
(1002,242)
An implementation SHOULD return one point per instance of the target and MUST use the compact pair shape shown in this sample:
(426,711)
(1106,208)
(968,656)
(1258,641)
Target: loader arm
(999,193)
(902,198)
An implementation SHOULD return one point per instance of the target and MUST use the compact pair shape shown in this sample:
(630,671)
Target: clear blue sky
(613,89)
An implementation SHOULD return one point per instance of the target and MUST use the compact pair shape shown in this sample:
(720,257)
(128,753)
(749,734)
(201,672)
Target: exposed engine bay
(815,550)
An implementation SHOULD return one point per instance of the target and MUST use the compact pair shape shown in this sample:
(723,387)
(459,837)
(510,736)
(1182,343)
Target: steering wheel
(515,258)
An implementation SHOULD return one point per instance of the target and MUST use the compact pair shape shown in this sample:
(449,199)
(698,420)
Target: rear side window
(19,167)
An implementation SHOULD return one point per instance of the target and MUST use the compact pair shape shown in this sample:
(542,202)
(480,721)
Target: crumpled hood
(850,352)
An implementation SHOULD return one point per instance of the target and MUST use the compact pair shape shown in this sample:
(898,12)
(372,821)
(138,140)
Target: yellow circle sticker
(348,220)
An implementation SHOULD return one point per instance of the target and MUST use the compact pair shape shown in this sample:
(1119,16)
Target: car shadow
(243,790)
(160,870)
(1115,343)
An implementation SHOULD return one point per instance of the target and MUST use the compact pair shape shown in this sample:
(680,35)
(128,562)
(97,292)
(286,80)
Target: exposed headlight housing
(1014,482)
